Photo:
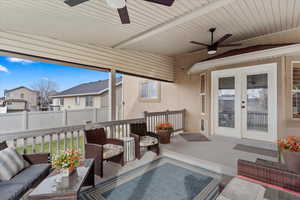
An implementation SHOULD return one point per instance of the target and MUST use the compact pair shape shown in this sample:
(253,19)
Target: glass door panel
(226,102)
(257,102)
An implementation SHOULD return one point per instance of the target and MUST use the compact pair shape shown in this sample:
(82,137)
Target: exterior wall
(183,94)
(30,96)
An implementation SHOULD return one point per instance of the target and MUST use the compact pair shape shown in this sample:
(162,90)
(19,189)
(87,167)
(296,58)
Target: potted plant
(66,162)
(164,130)
(290,149)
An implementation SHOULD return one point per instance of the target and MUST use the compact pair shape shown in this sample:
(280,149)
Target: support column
(112,94)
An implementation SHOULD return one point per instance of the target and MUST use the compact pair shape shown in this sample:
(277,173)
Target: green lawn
(38,147)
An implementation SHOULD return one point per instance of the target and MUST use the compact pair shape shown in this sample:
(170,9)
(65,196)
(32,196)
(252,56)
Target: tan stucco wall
(184,93)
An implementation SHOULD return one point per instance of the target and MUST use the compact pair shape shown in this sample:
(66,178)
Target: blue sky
(15,72)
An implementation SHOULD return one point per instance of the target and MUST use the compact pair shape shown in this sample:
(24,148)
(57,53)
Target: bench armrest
(37,158)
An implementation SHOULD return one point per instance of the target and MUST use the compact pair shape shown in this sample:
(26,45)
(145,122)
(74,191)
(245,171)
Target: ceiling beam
(175,22)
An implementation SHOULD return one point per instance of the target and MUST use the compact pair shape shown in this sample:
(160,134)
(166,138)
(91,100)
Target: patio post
(112,94)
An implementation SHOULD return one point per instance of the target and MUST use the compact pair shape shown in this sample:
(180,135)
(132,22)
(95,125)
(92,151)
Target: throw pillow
(11,162)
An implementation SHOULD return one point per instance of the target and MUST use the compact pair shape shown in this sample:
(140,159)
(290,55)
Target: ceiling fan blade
(74,2)
(230,45)
(199,43)
(162,2)
(124,16)
(193,51)
(222,39)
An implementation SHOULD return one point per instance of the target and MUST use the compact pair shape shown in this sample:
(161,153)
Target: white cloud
(3,69)
(19,60)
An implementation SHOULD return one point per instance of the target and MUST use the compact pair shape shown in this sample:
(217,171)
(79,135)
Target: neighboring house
(88,95)
(22,98)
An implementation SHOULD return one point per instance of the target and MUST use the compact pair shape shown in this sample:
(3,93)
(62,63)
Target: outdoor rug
(194,137)
(162,179)
(257,150)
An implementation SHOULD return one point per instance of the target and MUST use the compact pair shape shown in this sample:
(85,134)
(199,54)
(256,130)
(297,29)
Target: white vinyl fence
(51,119)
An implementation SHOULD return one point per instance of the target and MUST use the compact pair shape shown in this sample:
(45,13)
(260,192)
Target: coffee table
(69,187)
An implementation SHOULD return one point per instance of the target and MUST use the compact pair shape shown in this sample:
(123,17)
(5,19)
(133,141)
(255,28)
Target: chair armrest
(37,158)
(93,151)
(115,141)
(153,135)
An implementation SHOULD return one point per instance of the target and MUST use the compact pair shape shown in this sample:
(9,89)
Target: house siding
(30,96)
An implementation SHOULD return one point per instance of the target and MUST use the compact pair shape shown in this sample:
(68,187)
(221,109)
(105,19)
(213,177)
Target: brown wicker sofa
(140,134)
(29,177)
(101,148)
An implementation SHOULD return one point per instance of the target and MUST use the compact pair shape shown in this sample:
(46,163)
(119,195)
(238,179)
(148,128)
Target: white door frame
(238,73)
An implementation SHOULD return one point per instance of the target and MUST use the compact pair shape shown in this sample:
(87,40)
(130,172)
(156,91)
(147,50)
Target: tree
(46,88)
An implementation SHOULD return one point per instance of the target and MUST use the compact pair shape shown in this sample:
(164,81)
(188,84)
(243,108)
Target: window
(22,95)
(149,90)
(296,90)
(77,100)
(89,101)
(61,101)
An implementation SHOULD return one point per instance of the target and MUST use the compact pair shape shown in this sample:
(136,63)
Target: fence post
(94,115)
(183,120)
(64,118)
(25,120)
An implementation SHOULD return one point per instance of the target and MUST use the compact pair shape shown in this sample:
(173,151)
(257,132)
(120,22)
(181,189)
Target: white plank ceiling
(94,23)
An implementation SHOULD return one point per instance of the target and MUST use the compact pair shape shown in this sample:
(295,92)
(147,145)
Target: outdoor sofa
(39,167)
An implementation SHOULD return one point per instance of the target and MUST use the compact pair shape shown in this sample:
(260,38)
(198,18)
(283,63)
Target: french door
(244,102)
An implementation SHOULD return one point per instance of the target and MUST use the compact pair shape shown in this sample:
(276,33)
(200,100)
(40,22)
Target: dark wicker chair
(95,147)
(138,131)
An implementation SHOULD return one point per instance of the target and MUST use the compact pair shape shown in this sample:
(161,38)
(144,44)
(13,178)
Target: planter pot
(67,172)
(292,161)
(164,136)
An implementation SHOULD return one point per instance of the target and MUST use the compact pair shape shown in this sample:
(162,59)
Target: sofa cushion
(11,191)
(11,162)
(148,141)
(29,175)
(111,150)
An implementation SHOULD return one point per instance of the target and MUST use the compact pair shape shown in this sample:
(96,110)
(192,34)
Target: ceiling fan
(213,46)
(120,5)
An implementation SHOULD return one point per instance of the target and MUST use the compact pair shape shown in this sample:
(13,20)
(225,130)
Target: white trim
(268,53)
(238,73)
(175,22)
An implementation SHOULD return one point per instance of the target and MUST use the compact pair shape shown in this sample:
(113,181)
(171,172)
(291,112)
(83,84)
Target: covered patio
(227,70)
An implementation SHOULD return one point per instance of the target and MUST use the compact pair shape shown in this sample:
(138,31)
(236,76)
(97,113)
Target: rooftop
(96,87)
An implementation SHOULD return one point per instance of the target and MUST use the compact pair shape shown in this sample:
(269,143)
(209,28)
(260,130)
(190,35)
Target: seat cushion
(148,141)
(11,191)
(31,174)
(111,150)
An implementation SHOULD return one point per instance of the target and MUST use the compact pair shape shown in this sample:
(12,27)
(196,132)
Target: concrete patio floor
(217,155)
